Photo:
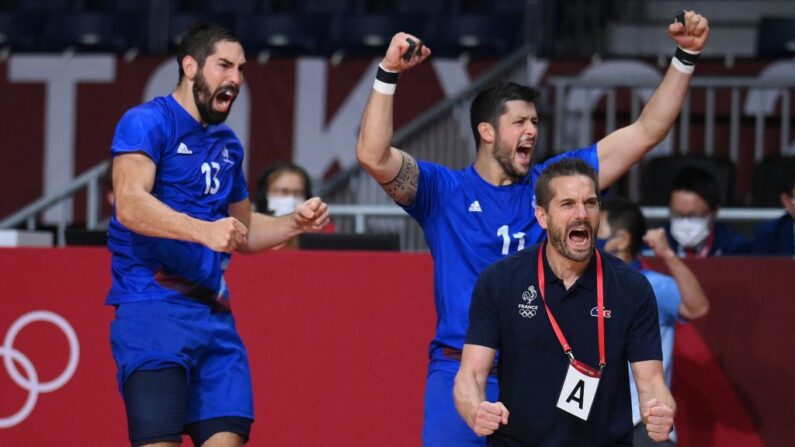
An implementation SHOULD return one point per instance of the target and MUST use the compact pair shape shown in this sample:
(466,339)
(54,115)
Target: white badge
(579,390)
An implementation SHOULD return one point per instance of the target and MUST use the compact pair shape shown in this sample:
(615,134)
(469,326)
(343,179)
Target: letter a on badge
(578,393)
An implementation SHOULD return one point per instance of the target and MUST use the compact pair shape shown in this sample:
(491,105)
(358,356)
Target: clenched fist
(311,216)
(488,417)
(393,59)
(659,419)
(227,235)
(691,35)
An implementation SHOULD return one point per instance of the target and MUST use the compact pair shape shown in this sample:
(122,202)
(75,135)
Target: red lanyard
(600,303)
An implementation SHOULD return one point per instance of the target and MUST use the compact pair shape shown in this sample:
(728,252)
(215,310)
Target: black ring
(680,17)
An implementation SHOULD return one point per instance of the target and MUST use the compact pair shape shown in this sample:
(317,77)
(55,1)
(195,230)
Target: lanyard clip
(601,367)
(570,354)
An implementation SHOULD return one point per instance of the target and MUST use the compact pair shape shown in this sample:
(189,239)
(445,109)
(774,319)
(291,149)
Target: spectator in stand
(777,237)
(280,188)
(693,230)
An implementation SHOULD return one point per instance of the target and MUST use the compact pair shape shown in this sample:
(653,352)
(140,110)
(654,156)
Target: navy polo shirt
(532,365)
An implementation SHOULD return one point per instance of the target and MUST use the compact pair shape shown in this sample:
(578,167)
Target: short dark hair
(625,215)
(269,174)
(199,42)
(699,182)
(489,105)
(567,166)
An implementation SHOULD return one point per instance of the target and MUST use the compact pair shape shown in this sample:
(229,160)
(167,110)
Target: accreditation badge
(579,389)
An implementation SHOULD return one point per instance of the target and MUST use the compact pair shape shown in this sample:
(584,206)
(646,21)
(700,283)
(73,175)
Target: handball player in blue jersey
(182,208)
(475,216)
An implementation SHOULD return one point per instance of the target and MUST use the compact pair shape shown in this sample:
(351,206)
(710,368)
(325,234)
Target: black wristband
(387,77)
(686,58)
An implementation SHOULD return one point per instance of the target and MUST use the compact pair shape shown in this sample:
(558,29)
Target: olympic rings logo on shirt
(32,383)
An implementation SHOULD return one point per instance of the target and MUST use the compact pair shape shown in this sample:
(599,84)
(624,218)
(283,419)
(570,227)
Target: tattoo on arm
(403,188)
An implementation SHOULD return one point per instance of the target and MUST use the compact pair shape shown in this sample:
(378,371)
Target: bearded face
(573,217)
(515,137)
(574,240)
(215,106)
(505,155)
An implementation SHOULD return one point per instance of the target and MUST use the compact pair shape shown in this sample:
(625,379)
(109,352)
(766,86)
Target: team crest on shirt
(595,312)
(527,309)
(225,154)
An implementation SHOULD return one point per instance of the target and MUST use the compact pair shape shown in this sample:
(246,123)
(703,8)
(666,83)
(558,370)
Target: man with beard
(566,320)
(182,208)
(473,217)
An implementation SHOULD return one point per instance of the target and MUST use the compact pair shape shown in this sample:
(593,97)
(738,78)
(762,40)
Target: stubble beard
(557,237)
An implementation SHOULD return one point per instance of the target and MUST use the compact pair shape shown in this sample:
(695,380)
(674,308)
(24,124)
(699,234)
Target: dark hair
(699,182)
(625,215)
(199,42)
(489,105)
(269,174)
(564,167)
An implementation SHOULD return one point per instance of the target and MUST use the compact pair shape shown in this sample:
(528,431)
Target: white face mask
(690,231)
(280,206)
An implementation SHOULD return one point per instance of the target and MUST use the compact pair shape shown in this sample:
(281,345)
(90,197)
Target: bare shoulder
(403,188)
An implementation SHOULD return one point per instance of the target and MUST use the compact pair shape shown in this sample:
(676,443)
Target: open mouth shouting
(579,236)
(524,151)
(224,97)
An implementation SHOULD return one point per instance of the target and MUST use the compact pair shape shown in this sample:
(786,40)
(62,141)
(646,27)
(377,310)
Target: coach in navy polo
(562,367)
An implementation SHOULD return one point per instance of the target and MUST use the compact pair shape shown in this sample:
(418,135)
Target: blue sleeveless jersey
(199,173)
(468,225)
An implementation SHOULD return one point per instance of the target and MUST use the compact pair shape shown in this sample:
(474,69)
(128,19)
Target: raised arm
(394,169)
(469,391)
(141,212)
(694,303)
(266,232)
(657,406)
(624,147)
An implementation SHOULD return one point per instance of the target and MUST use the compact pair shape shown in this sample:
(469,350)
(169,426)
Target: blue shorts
(157,334)
(443,426)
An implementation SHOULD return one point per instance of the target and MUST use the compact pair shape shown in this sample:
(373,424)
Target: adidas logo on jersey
(182,149)
(475,207)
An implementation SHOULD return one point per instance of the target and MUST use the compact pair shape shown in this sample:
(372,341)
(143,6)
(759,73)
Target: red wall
(338,343)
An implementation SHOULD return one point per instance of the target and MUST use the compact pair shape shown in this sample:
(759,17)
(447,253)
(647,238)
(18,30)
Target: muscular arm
(469,391)
(394,169)
(140,211)
(621,149)
(266,232)
(624,147)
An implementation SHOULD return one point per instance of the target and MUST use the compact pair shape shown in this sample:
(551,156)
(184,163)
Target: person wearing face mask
(280,188)
(693,230)
(680,298)
(777,237)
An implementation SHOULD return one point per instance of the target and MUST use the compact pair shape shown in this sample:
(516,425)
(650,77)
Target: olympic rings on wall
(30,380)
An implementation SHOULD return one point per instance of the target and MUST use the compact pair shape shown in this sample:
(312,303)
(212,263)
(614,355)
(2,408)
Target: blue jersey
(468,225)
(199,173)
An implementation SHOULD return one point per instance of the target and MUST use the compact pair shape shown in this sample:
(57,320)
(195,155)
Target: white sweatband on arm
(385,81)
